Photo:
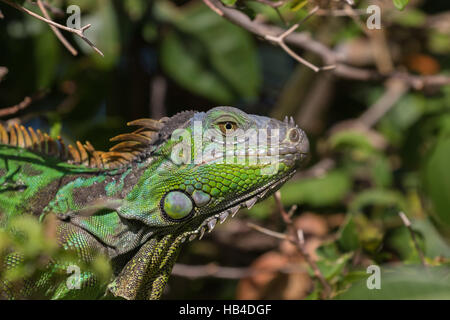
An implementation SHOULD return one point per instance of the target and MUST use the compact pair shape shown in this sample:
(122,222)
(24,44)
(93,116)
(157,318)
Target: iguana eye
(177,205)
(227,127)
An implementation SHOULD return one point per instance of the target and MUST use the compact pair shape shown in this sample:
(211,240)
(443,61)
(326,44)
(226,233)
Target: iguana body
(159,186)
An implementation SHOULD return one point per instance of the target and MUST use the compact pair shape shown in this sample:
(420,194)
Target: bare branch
(295,236)
(273,4)
(3,72)
(395,89)
(279,40)
(213,7)
(268,232)
(53,10)
(303,40)
(341,12)
(79,33)
(55,30)
(15,108)
(215,271)
(407,224)
(4,112)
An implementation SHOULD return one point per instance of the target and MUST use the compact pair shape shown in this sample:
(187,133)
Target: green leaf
(404,282)
(47,57)
(218,55)
(350,138)
(435,245)
(327,190)
(348,236)
(399,239)
(400,4)
(332,268)
(381,171)
(411,18)
(322,191)
(436,179)
(104,33)
(439,43)
(377,198)
(229,2)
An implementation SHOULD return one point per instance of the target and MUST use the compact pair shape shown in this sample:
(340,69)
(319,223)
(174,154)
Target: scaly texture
(167,182)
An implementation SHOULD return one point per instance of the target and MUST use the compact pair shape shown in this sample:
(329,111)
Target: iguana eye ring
(227,127)
(177,205)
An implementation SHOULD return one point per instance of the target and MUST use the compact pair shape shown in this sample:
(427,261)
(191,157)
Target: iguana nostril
(294,135)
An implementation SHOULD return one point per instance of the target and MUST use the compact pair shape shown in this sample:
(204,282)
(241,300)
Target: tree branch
(3,72)
(55,30)
(79,33)
(304,41)
(215,271)
(407,224)
(4,112)
(294,236)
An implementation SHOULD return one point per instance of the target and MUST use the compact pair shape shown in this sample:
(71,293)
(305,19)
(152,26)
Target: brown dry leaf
(335,220)
(269,283)
(288,248)
(312,224)
(311,245)
(264,282)
(298,286)
(422,64)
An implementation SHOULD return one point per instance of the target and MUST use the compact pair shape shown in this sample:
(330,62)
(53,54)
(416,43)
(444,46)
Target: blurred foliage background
(162,57)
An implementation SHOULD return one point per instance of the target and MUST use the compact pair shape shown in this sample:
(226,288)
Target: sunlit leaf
(437,180)
(217,54)
(400,4)
(400,283)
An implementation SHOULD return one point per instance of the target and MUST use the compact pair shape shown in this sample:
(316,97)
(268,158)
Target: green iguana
(167,182)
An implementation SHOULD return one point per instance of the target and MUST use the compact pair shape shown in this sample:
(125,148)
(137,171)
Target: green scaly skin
(140,213)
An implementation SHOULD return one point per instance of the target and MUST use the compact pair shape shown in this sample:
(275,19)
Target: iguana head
(193,170)
(207,166)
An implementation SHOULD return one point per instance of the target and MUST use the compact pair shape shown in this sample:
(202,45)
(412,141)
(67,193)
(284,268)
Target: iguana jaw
(244,202)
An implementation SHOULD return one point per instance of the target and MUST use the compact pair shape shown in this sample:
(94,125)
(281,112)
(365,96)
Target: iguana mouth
(232,209)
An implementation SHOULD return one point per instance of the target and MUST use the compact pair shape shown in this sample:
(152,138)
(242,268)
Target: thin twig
(215,271)
(395,89)
(286,217)
(407,224)
(78,32)
(294,236)
(273,4)
(15,108)
(329,56)
(21,105)
(341,12)
(268,232)
(55,30)
(213,7)
(53,10)
(3,72)
(279,40)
